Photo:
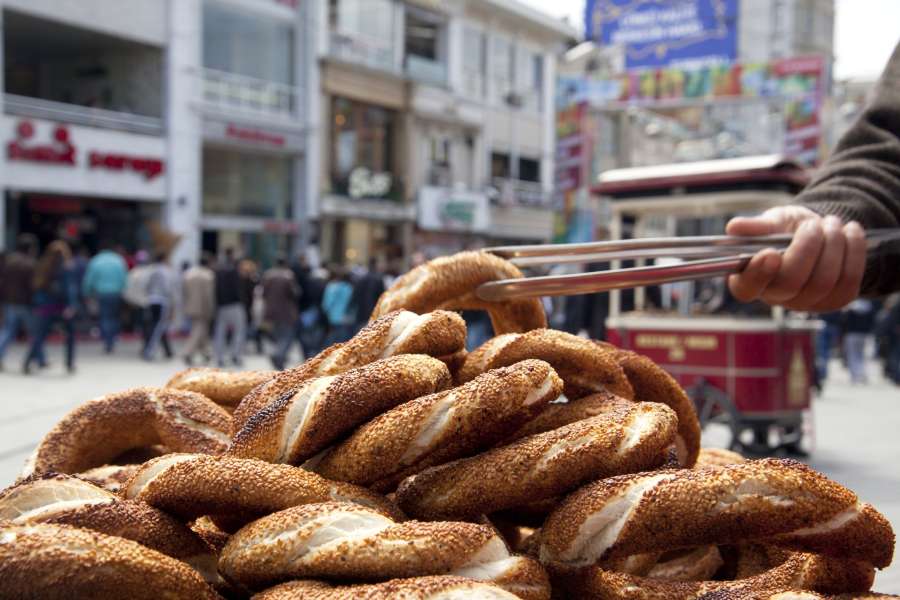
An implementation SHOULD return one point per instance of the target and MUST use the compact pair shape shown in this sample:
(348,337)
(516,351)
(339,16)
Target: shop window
(362,149)
(529,170)
(362,31)
(245,184)
(499,165)
(246,43)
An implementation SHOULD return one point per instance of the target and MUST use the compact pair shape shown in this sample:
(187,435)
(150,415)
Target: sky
(866,31)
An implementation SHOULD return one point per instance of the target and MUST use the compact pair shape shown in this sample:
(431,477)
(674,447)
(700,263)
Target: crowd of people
(219,304)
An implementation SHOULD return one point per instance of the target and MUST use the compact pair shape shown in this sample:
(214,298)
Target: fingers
(797,264)
(853,266)
(764,224)
(749,285)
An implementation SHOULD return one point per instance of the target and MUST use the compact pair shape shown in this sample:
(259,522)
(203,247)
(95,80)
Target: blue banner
(663,33)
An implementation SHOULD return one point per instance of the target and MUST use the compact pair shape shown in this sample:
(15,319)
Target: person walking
(160,301)
(337,306)
(858,324)
(230,313)
(280,293)
(104,280)
(16,292)
(368,289)
(199,300)
(249,281)
(55,301)
(311,320)
(135,293)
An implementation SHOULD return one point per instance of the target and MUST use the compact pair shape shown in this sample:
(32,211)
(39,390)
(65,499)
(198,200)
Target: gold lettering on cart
(676,344)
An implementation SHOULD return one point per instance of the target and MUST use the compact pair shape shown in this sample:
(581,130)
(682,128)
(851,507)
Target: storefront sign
(443,209)
(148,167)
(363,183)
(252,136)
(249,134)
(58,151)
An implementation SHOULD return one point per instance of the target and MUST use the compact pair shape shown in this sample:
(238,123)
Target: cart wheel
(714,406)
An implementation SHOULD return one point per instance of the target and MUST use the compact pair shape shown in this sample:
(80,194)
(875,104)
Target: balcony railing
(425,70)
(362,50)
(38,108)
(515,191)
(230,91)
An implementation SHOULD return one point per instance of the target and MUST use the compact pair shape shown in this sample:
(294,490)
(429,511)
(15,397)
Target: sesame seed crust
(348,401)
(49,562)
(449,283)
(99,430)
(239,488)
(222,387)
(624,440)
(584,367)
(443,426)
(432,587)
(438,333)
(754,500)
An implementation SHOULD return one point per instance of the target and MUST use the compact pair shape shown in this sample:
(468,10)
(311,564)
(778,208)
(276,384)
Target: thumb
(760,225)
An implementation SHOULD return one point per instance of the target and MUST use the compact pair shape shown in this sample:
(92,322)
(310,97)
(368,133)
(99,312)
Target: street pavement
(852,431)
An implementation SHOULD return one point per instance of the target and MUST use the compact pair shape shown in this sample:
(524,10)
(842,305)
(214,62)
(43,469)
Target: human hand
(820,271)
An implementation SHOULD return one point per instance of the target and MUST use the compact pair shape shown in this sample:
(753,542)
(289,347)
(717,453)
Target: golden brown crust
(585,367)
(624,440)
(222,387)
(432,587)
(343,541)
(191,486)
(770,500)
(210,533)
(560,414)
(323,409)
(49,562)
(109,477)
(449,283)
(717,457)
(651,383)
(697,564)
(441,427)
(438,333)
(97,431)
(807,571)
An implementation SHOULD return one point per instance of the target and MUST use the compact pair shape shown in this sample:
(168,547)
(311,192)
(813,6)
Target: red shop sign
(148,167)
(247,134)
(60,151)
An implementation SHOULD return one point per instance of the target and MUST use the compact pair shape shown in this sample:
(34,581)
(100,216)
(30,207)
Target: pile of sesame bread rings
(397,465)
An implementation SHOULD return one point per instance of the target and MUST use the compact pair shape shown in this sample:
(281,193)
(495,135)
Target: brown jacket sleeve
(861,180)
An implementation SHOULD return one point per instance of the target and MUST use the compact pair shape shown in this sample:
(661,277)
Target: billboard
(662,33)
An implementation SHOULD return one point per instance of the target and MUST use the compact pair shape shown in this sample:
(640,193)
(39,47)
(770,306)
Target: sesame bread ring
(800,570)
(717,457)
(223,387)
(625,440)
(109,477)
(443,426)
(697,564)
(190,486)
(449,283)
(439,333)
(322,410)
(651,383)
(434,587)
(60,562)
(560,414)
(66,500)
(584,367)
(94,433)
(782,502)
(337,540)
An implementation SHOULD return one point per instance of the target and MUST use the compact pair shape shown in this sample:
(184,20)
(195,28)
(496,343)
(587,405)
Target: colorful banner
(662,33)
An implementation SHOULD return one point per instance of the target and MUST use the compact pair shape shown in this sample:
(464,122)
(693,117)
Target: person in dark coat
(16,292)
(55,302)
(280,293)
(366,292)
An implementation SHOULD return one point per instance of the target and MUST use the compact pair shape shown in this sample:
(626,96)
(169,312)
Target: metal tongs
(704,256)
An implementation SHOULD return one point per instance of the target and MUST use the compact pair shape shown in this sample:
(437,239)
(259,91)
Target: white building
(438,125)
(188,113)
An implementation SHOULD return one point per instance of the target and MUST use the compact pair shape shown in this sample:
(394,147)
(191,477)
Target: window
(474,62)
(499,165)
(362,31)
(245,43)
(246,184)
(502,67)
(362,144)
(422,34)
(439,154)
(529,170)
(537,80)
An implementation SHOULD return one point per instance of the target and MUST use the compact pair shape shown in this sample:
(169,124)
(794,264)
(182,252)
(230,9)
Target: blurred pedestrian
(368,288)
(198,290)
(311,319)
(160,302)
(826,339)
(55,302)
(858,323)
(280,295)
(889,332)
(16,292)
(337,306)
(104,280)
(230,313)
(249,281)
(135,293)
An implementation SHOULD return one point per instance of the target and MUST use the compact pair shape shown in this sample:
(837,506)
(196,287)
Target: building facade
(196,123)
(437,126)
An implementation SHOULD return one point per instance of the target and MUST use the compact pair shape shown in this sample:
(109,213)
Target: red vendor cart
(752,372)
